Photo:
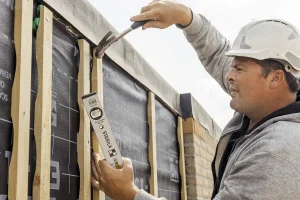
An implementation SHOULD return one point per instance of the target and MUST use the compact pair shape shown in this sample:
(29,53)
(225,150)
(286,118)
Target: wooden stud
(21,93)
(42,121)
(97,86)
(181,159)
(152,144)
(84,148)
(191,126)
(188,125)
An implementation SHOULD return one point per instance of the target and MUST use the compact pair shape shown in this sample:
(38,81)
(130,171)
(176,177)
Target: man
(258,155)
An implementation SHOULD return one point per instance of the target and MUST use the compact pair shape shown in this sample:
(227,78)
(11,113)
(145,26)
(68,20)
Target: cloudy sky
(172,56)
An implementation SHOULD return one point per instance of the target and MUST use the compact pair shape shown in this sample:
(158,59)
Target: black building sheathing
(169,183)
(125,104)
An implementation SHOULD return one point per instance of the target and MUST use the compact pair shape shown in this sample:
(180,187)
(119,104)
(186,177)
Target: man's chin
(234,105)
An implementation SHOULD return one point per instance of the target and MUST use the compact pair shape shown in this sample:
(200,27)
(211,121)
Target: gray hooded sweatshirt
(265,162)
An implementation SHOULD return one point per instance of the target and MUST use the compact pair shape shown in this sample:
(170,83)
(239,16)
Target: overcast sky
(169,53)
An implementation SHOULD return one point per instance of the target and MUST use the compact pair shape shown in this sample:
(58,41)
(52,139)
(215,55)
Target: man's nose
(230,75)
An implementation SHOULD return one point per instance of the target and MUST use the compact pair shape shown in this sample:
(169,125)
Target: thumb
(127,163)
(127,166)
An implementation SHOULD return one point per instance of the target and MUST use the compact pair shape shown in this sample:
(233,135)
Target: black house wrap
(7,70)
(125,103)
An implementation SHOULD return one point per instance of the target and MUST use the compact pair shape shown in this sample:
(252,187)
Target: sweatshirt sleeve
(142,195)
(210,46)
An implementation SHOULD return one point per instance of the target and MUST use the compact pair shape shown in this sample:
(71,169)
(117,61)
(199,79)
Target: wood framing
(152,144)
(97,86)
(21,93)
(181,159)
(42,120)
(84,148)
(190,125)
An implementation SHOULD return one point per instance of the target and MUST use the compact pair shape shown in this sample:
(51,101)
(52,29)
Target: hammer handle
(138,24)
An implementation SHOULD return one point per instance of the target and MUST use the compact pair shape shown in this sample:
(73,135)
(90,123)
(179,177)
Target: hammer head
(107,40)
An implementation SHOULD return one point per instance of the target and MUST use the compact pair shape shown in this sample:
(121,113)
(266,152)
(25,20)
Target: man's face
(247,87)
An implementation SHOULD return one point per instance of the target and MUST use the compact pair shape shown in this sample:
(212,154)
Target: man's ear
(276,79)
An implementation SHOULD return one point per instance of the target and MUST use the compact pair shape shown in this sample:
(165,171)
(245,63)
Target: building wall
(199,152)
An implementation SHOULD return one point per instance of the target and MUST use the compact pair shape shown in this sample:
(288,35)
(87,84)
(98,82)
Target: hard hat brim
(261,55)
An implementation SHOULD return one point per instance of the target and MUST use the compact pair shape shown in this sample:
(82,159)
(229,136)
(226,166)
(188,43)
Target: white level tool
(102,129)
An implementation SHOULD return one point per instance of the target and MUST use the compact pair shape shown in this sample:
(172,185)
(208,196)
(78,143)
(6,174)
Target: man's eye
(239,69)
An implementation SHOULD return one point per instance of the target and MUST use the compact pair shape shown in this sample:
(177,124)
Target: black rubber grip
(138,24)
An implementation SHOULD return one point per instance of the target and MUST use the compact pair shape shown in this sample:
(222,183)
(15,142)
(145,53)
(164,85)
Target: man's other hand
(118,184)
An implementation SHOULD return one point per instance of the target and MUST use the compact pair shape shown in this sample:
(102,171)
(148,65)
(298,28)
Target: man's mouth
(232,90)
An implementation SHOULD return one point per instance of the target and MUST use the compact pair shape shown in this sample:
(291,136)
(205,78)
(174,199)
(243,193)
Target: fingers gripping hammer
(109,38)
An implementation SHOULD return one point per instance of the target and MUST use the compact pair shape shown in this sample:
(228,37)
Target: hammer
(109,38)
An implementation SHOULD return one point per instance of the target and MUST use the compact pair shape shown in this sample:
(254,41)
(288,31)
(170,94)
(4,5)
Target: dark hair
(269,65)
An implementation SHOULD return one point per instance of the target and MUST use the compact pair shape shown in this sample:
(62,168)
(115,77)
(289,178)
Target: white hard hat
(270,39)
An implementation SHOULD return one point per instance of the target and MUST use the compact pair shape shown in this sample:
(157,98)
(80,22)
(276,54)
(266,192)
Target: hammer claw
(109,38)
(104,43)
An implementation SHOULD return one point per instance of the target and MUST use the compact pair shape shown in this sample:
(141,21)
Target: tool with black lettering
(102,129)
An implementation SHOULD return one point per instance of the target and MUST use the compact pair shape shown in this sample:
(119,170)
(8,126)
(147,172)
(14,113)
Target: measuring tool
(102,129)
